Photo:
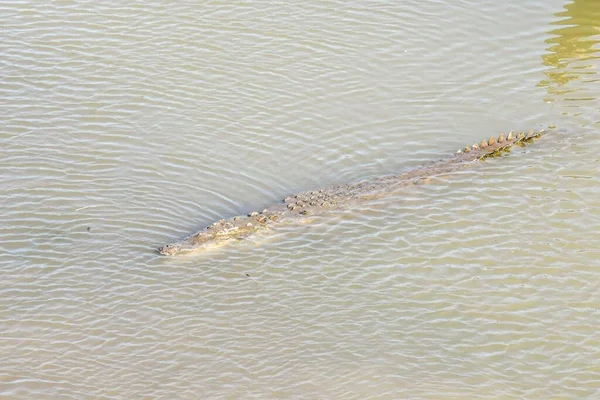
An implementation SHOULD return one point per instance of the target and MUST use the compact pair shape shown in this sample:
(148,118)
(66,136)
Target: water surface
(125,127)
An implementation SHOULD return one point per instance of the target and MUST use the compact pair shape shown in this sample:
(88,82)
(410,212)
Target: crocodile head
(169,249)
(196,242)
(214,235)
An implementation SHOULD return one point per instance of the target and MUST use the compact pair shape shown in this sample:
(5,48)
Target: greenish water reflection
(571,51)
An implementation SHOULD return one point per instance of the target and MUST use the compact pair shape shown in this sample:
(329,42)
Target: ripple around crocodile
(337,196)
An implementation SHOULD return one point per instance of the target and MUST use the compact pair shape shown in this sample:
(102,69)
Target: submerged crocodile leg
(316,201)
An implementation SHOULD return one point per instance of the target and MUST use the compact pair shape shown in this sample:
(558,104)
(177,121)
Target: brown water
(125,127)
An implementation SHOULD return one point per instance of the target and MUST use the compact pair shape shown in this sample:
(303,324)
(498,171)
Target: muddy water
(126,126)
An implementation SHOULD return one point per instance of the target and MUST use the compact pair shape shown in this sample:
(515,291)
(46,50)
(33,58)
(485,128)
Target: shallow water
(127,127)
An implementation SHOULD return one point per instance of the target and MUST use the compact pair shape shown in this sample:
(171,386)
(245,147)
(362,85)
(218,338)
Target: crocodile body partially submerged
(316,201)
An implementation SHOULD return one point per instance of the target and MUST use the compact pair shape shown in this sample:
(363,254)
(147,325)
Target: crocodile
(334,197)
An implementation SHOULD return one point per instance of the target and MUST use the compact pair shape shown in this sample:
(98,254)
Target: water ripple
(126,126)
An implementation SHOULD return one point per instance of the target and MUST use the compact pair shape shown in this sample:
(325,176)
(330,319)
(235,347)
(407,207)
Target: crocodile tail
(494,145)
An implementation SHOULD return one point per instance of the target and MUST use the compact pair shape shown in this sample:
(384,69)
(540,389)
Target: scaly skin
(317,201)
